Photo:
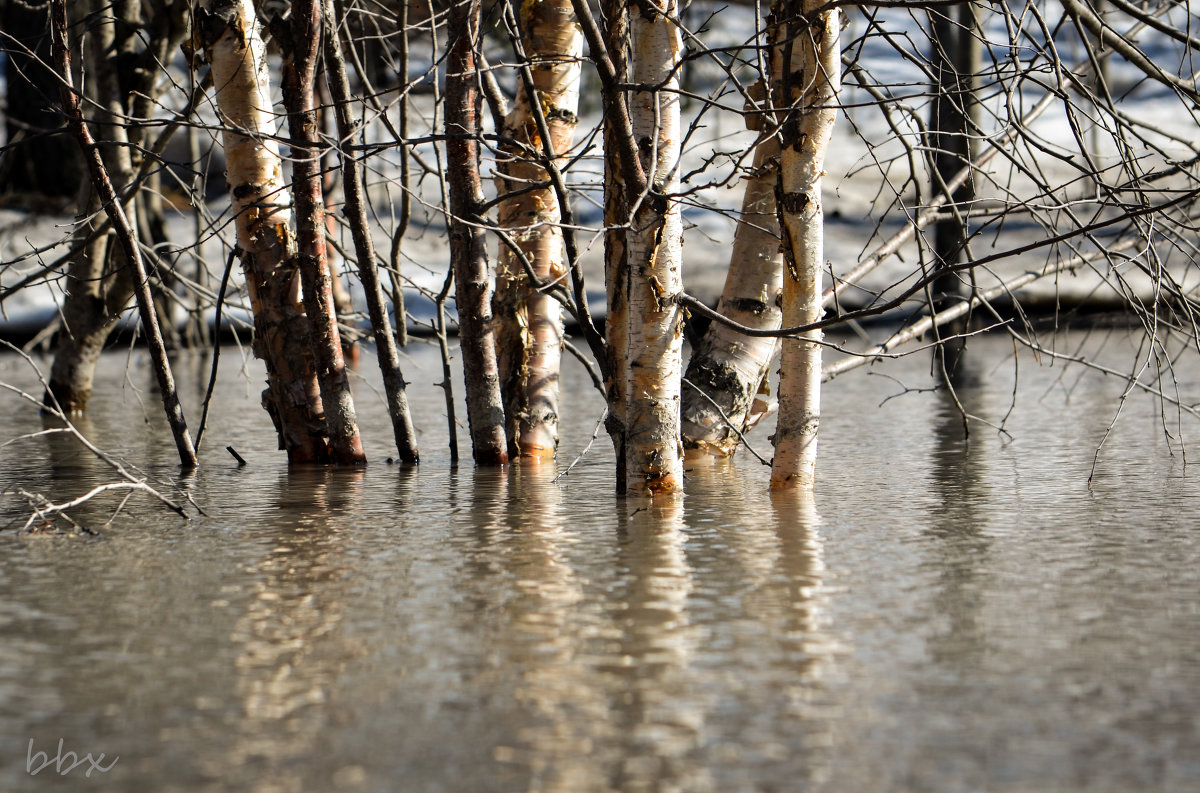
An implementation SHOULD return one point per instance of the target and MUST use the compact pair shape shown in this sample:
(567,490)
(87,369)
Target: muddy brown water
(950,616)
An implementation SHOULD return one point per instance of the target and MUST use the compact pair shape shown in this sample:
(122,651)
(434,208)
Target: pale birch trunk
(727,368)
(468,250)
(654,454)
(529,328)
(812,77)
(299,78)
(229,33)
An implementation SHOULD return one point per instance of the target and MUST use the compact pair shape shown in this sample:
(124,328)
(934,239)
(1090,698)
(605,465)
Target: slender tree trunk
(299,77)
(364,248)
(955,56)
(343,302)
(100,283)
(529,329)
(727,368)
(468,250)
(616,223)
(230,35)
(807,43)
(654,454)
(127,235)
(143,78)
(397,289)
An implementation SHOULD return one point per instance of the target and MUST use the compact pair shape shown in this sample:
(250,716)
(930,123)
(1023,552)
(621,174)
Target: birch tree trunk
(124,229)
(653,452)
(229,33)
(468,251)
(807,43)
(99,281)
(727,368)
(529,328)
(299,77)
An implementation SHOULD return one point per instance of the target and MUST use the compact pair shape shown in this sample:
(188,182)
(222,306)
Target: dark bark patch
(792,203)
(749,305)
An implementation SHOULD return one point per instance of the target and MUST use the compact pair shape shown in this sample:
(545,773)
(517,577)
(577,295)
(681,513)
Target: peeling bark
(653,452)
(729,367)
(807,43)
(529,328)
(229,33)
(468,250)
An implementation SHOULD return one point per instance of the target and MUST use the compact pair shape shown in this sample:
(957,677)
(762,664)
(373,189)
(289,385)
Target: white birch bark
(654,454)
(229,33)
(242,82)
(812,78)
(727,367)
(529,327)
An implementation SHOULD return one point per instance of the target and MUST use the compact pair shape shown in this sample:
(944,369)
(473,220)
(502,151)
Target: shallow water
(953,615)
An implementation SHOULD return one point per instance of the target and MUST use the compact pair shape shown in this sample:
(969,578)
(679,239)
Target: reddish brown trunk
(468,251)
(298,79)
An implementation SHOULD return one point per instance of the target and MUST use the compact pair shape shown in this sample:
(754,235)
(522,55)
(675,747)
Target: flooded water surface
(951,615)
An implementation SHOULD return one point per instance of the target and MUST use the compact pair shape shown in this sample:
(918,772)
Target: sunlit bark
(235,49)
(807,43)
(654,454)
(727,367)
(468,251)
(529,332)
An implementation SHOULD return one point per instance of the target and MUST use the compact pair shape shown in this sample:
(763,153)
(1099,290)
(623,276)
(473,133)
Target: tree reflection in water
(292,647)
